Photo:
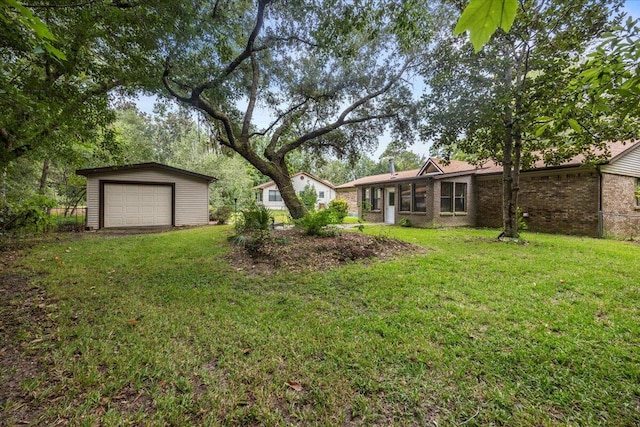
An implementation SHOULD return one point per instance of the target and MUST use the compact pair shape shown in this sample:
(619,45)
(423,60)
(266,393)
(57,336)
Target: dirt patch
(292,250)
(24,325)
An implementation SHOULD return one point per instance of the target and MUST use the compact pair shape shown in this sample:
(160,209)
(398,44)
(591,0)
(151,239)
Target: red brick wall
(560,201)
(620,216)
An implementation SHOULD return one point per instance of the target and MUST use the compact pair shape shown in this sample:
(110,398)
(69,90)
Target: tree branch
(116,3)
(252,97)
(342,119)
(246,53)
(270,151)
(280,117)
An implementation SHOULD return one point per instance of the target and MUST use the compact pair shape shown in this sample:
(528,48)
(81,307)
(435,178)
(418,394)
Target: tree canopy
(488,104)
(331,77)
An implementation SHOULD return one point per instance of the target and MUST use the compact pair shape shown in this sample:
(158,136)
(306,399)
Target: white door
(135,205)
(390,205)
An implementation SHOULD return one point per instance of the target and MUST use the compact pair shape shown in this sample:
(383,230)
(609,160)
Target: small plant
(340,207)
(309,197)
(405,222)
(315,223)
(220,215)
(522,225)
(254,218)
(253,227)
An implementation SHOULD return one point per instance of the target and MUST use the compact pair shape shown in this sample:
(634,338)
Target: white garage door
(132,205)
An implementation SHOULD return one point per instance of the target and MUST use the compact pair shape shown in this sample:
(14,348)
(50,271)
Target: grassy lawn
(350,220)
(160,329)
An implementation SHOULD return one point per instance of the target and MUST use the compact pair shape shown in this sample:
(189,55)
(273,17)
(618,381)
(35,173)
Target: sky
(145,103)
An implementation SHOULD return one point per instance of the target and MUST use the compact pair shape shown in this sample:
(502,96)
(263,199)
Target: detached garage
(145,195)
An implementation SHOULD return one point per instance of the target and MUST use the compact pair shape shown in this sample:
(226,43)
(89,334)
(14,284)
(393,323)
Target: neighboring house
(145,194)
(571,198)
(267,194)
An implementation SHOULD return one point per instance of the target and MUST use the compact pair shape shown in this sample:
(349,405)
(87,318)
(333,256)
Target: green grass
(470,332)
(350,220)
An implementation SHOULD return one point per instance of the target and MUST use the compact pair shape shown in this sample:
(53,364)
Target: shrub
(33,211)
(220,215)
(253,227)
(309,197)
(315,223)
(405,222)
(340,207)
(254,218)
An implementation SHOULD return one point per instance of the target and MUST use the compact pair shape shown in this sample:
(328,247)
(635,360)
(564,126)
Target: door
(137,205)
(390,205)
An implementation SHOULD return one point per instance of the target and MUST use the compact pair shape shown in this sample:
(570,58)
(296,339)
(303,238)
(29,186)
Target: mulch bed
(292,250)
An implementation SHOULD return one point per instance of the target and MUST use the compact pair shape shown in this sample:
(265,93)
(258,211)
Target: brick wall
(620,216)
(559,201)
(351,196)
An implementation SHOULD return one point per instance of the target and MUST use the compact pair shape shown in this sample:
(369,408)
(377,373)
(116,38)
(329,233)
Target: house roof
(307,174)
(438,168)
(433,165)
(616,150)
(149,165)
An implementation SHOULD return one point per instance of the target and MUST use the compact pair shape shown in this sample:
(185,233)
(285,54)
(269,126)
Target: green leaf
(55,52)
(575,125)
(483,17)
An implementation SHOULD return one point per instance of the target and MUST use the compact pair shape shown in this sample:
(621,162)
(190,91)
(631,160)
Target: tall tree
(51,100)
(487,104)
(330,75)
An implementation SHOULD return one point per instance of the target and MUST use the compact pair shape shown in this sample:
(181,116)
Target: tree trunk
(43,177)
(509,222)
(509,219)
(278,171)
(296,208)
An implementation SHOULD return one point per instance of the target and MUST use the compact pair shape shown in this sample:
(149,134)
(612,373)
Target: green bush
(309,197)
(220,215)
(340,207)
(405,222)
(315,223)
(253,227)
(32,212)
(254,218)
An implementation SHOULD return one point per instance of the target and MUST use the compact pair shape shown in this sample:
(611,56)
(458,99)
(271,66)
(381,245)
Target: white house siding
(192,194)
(299,183)
(628,164)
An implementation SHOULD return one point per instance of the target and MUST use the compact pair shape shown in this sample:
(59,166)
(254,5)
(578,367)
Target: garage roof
(150,165)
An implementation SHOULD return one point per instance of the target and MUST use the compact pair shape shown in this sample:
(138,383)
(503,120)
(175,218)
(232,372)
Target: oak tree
(327,77)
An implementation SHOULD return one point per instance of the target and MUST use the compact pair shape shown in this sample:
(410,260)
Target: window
(366,199)
(446,196)
(376,199)
(260,196)
(420,197)
(274,196)
(453,197)
(460,195)
(405,197)
(637,192)
(320,194)
(391,196)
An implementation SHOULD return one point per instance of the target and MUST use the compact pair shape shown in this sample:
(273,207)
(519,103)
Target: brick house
(572,198)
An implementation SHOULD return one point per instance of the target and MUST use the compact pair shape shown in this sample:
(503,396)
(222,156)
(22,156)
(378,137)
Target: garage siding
(192,194)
